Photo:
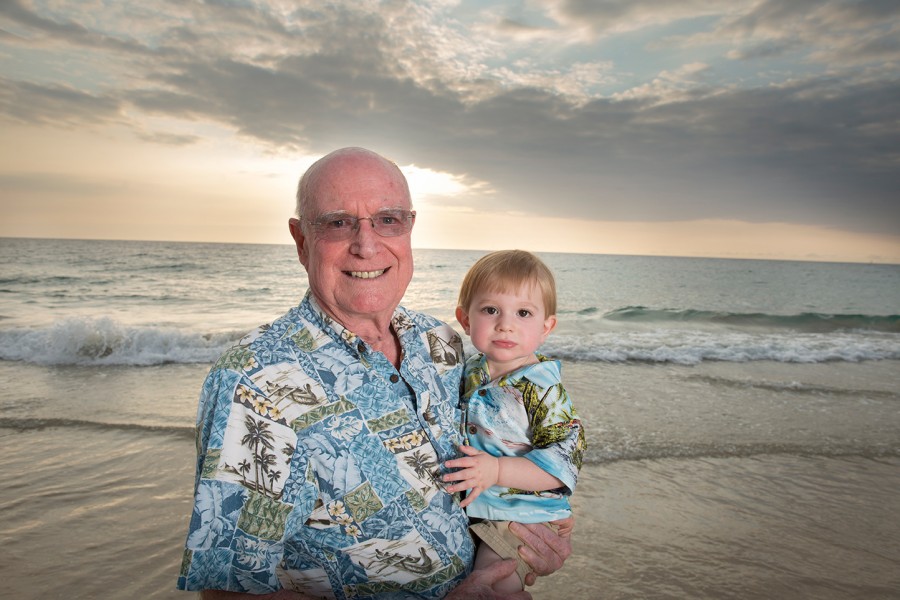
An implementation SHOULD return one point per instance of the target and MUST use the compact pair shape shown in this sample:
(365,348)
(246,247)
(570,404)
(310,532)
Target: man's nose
(364,238)
(359,224)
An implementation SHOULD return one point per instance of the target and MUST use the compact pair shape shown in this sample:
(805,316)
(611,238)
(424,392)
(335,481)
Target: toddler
(525,442)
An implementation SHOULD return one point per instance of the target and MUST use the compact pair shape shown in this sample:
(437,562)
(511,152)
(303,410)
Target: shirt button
(482,392)
(394,378)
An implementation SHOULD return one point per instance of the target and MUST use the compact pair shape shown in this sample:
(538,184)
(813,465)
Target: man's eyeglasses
(341,226)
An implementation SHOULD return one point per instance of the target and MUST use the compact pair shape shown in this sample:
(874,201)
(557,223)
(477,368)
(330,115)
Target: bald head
(318,176)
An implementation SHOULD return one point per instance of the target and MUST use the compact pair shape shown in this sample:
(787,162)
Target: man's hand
(477,586)
(544,549)
(479,471)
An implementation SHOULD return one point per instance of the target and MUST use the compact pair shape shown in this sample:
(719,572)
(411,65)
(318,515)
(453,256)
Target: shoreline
(755,527)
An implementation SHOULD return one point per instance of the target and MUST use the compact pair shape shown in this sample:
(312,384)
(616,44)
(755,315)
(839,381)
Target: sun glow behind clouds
(440,187)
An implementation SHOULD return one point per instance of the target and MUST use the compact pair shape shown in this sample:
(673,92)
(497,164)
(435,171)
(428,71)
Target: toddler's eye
(489,310)
(524,312)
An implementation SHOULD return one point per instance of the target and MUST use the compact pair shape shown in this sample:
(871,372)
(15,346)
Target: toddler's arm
(480,470)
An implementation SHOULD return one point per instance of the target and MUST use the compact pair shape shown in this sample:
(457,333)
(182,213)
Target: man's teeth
(366,274)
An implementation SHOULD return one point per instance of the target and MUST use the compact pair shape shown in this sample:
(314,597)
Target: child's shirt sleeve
(557,435)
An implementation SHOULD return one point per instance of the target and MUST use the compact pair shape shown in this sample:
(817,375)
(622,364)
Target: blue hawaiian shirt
(524,413)
(319,463)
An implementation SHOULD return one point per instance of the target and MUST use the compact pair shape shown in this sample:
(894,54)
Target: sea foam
(104,341)
(689,347)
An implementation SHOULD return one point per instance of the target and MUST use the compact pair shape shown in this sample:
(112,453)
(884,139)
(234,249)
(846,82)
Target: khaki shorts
(500,539)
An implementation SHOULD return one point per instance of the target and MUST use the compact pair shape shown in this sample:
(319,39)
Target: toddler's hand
(478,471)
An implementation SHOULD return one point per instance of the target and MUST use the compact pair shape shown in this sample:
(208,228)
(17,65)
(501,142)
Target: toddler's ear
(463,318)
(549,325)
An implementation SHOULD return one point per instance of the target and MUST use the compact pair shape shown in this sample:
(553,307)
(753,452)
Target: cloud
(813,139)
(618,16)
(58,104)
(835,34)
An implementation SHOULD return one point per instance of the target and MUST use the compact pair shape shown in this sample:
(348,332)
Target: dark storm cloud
(815,149)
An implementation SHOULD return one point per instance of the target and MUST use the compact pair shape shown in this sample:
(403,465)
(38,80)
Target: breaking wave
(103,341)
(803,322)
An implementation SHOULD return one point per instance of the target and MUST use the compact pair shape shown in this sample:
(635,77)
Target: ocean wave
(167,267)
(663,450)
(38,423)
(691,347)
(103,341)
(794,387)
(803,322)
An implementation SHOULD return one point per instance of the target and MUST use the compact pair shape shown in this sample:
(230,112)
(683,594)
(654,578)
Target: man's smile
(366,274)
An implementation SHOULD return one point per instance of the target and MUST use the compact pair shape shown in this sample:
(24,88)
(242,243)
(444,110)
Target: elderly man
(320,437)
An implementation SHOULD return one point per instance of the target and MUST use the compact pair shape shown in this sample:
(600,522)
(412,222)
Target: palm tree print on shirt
(260,442)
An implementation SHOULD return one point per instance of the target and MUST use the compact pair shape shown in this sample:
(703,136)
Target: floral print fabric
(319,463)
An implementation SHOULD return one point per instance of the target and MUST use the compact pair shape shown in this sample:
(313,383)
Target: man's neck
(374,330)
(390,347)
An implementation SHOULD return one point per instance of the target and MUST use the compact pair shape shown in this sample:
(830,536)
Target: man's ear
(463,318)
(299,238)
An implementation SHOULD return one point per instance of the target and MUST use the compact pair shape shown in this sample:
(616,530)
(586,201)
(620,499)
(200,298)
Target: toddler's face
(508,327)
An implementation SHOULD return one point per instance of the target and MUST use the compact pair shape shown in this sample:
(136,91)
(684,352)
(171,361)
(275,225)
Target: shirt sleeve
(558,441)
(234,540)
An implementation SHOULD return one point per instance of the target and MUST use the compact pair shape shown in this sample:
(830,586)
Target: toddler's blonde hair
(507,271)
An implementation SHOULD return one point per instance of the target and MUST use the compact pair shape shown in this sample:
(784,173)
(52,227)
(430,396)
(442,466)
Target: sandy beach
(100,510)
(108,521)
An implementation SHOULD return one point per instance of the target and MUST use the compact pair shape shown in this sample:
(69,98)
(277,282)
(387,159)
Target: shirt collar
(545,372)
(400,322)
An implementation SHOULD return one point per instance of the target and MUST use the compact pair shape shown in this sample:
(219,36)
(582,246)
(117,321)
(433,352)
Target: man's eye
(388,219)
(342,223)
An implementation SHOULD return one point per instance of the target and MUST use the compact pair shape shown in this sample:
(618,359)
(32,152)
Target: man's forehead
(374,188)
(352,213)
(358,205)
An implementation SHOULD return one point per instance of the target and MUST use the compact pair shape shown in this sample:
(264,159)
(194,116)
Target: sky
(733,128)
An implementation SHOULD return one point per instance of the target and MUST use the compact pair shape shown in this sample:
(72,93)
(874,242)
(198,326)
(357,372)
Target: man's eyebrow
(336,213)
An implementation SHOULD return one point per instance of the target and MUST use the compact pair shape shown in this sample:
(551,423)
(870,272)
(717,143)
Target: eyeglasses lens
(387,223)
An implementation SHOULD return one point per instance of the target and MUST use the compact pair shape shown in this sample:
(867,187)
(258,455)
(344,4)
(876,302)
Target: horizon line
(887,262)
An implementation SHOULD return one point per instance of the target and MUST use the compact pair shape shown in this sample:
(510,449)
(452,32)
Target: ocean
(742,416)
